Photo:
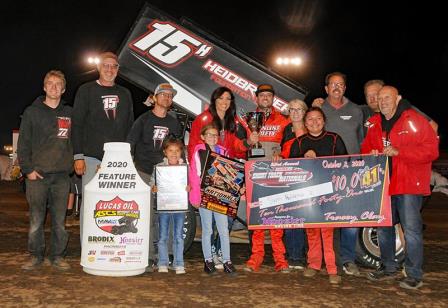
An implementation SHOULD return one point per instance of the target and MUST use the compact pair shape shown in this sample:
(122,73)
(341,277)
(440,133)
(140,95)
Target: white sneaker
(163,269)
(180,270)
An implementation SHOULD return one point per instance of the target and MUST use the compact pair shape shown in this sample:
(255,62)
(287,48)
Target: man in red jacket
(270,137)
(411,144)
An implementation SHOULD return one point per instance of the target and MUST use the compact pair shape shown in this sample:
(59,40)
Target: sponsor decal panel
(116,239)
(164,50)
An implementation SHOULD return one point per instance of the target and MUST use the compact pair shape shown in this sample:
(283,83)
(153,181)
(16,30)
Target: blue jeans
(216,242)
(405,210)
(295,244)
(53,191)
(178,241)
(347,246)
(207,231)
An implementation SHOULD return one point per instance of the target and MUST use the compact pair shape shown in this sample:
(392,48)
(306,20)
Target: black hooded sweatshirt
(44,143)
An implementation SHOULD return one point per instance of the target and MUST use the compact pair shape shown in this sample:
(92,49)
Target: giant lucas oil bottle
(115,239)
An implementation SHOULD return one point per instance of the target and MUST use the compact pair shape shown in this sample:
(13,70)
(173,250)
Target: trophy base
(256,152)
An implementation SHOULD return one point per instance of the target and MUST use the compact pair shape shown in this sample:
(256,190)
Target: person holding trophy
(266,121)
(270,124)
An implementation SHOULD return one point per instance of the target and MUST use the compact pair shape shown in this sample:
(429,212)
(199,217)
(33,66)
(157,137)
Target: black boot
(229,268)
(209,267)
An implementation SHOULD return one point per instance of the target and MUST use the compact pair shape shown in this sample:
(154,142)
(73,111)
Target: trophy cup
(254,121)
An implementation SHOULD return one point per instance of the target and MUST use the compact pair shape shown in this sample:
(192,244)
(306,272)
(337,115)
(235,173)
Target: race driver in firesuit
(270,136)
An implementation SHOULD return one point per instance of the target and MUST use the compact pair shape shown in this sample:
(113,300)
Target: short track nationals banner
(222,180)
(340,191)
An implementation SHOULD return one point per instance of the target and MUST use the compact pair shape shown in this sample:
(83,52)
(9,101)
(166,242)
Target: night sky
(402,43)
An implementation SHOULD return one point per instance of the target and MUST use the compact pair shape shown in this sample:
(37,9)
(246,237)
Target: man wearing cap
(146,138)
(270,137)
(103,112)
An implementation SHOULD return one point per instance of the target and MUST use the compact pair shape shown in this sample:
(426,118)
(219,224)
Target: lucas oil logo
(117,216)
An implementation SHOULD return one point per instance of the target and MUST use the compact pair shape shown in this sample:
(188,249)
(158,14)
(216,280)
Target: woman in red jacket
(222,113)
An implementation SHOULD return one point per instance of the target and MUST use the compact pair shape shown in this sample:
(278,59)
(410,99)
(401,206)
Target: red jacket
(235,147)
(418,146)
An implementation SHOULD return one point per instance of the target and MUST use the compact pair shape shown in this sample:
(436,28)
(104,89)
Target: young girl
(172,149)
(209,135)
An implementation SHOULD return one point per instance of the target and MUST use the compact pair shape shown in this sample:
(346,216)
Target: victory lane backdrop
(342,191)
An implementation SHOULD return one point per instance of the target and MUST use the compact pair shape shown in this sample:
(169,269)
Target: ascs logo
(117,216)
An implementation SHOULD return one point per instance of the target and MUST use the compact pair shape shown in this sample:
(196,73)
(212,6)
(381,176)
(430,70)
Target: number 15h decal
(168,44)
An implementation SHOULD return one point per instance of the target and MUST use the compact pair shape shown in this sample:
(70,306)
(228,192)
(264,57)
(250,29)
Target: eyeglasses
(211,135)
(164,94)
(110,66)
(336,84)
(296,110)
(266,94)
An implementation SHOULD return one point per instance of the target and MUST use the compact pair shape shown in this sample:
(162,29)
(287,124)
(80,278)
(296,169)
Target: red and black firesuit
(270,137)
(326,144)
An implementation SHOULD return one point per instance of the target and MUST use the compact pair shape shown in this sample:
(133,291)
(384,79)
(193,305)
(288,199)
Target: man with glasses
(146,138)
(346,119)
(103,112)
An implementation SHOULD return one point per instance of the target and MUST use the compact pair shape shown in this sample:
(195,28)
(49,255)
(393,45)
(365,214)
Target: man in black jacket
(146,138)
(102,112)
(46,157)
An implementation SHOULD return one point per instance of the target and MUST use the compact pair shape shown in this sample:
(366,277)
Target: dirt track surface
(48,287)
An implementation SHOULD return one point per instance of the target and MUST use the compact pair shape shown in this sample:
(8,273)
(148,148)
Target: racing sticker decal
(117,216)
(64,124)
(110,104)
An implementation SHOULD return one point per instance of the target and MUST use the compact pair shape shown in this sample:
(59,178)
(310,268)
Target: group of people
(54,139)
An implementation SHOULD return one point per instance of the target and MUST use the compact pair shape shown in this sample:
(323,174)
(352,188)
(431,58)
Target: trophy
(255,121)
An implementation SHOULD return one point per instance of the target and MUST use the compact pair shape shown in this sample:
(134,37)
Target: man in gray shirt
(343,116)
(346,119)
